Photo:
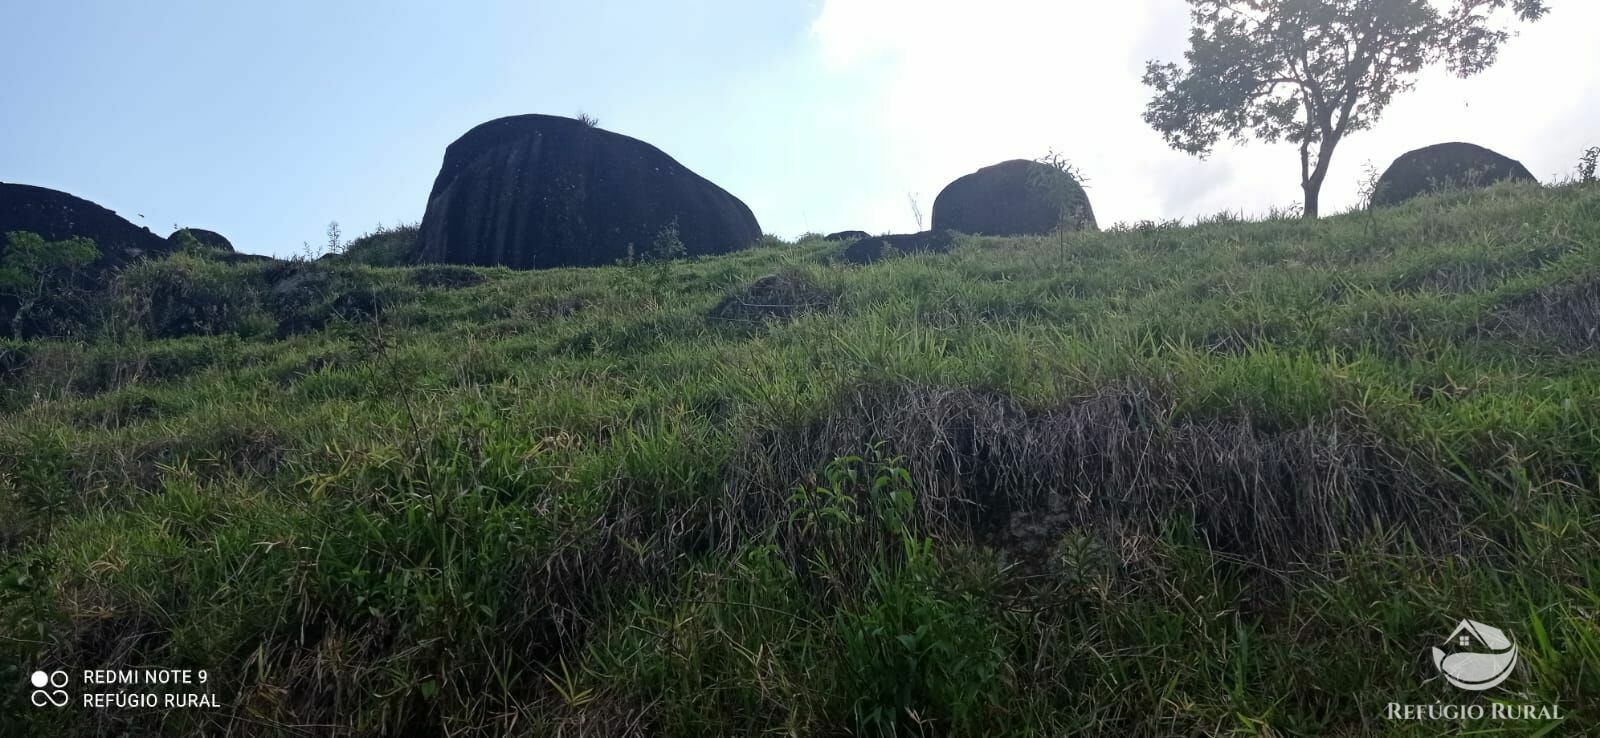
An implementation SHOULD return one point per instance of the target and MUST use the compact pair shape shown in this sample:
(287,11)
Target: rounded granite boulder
(1445,166)
(1014,198)
(208,239)
(58,216)
(537,191)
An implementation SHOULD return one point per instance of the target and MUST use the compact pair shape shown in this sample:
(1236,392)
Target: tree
(31,267)
(1314,71)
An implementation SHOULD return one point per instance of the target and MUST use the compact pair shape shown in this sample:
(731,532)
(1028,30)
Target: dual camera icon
(47,689)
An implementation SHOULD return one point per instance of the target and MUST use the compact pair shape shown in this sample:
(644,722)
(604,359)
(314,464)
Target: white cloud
(960,85)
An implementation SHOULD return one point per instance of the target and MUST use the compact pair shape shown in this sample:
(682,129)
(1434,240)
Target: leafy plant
(1587,164)
(1367,190)
(1068,190)
(916,655)
(658,265)
(31,268)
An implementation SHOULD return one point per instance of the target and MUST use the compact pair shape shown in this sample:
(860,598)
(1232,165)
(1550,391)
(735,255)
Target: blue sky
(267,121)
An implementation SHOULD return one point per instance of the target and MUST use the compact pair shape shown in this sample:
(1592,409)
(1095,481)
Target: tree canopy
(1314,71)
(30,266)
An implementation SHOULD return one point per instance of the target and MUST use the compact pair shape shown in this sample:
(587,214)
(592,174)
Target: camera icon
(47,689)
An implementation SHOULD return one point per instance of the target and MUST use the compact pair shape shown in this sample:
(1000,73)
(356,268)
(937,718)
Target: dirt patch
(773,297)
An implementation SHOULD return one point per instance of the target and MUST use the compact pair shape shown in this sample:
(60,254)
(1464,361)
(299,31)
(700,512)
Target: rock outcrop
(58,216)
(535,191)
(1013,198)
(846,236)
(873,248)
(208,239)
(1445,166)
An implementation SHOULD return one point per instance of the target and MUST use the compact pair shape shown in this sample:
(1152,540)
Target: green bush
(41,292)
(308,296)
(186,295)
(386,246)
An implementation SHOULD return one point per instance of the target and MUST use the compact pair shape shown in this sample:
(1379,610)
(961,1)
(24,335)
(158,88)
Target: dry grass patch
(1123,464)
(1566,316)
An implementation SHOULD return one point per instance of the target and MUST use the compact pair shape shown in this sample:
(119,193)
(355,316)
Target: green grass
(1229,479)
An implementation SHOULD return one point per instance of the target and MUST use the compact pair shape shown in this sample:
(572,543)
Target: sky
(267,121)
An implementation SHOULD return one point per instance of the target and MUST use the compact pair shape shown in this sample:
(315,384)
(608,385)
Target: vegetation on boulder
(199,237)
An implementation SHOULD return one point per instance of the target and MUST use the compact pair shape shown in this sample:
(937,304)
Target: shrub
(1075,213)
(384,246)
(34,271)
(307,296)
(916,652)
(185,295)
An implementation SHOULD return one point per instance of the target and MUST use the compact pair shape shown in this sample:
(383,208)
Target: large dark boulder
(535,191)
(58,216)
(208,239)
(873,248)
(1014,198)
(1445,166)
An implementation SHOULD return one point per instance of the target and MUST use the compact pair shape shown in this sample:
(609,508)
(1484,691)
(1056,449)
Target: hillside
(1232,478)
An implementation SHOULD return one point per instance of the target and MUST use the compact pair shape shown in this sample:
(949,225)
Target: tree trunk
(16,321)
(1311,183)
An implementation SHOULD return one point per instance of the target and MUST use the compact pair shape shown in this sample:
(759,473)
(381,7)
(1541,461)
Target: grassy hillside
(1232,479)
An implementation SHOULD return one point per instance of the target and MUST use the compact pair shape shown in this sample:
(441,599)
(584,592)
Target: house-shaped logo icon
(1480,656)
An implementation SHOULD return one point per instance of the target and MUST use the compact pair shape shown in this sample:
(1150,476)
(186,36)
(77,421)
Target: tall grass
(1229,479)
